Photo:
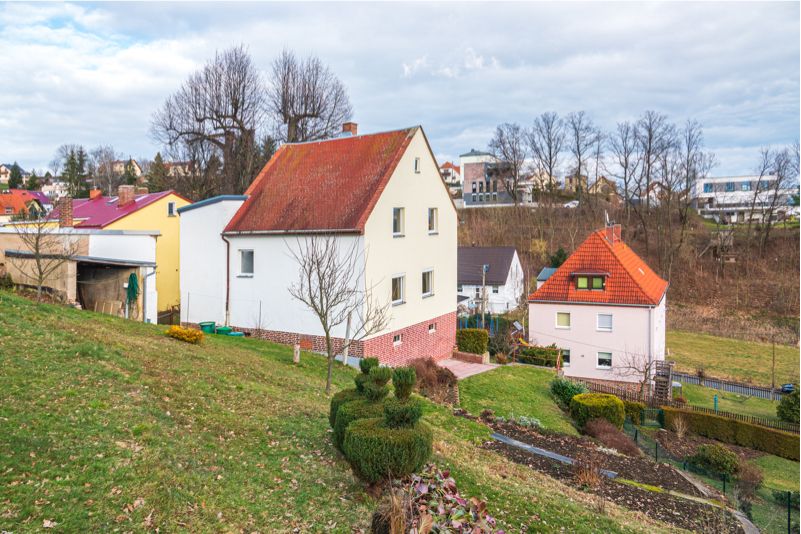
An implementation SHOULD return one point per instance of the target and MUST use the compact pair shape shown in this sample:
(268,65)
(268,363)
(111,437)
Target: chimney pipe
(350,128)
(141,190)
(613,233)
(65,212)
(125,194)
(95,193)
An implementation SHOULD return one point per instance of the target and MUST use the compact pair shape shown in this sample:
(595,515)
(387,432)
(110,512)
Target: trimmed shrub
(787,410)
(6,282)
(340,398)
(353,411)
(715,458)
(543,356)
(563,390)
(736,432)
(190,335)
(586,406)
(611,436)
(376,388)
(377,452)
(404,379)
(365,364)
(634,411)
(472,340)
(402,414)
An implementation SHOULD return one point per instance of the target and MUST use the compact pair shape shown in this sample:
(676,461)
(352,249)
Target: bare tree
(45,250)
(331,284)
(508,146)
(581,135)
(221,106)
(305,99)
(654,138)
(623,144)
(778,191)
(638,366)
(546,140)
(102,159)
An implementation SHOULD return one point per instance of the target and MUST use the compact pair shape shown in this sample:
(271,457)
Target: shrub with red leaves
(611,436)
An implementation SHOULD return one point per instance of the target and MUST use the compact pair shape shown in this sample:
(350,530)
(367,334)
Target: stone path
(465,369)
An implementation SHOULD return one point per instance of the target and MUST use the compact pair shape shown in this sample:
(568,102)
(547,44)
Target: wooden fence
(727,385)
(632,395)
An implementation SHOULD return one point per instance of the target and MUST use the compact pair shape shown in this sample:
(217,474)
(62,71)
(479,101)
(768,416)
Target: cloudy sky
(94,73)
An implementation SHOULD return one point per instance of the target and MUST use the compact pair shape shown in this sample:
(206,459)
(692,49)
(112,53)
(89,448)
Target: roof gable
(629,282)
(101,211)
(471,259)
(329,185)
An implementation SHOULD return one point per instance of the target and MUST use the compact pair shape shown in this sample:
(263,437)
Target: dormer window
(590,281)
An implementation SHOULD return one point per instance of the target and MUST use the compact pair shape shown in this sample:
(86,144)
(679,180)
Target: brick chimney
(350,128)
(141,190)
(95,193)
(125,194)
(613,233)
(65,212)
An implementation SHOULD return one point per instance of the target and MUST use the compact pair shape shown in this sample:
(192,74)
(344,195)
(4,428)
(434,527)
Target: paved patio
(465,369)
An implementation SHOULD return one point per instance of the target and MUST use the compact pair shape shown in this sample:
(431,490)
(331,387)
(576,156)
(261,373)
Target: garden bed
(688,445)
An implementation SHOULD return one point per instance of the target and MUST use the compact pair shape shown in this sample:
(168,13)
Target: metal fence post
(656,451)
(724,484)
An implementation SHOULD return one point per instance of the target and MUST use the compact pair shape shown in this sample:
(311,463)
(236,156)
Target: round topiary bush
(365,364)
(376,452)
(352,411)
(715,458)
(402,414)
(586,406)
(340,398)
(404,379)
(376,388)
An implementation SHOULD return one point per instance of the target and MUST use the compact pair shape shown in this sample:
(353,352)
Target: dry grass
(680,427)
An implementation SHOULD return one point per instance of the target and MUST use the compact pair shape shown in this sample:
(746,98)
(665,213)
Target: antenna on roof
(606,215)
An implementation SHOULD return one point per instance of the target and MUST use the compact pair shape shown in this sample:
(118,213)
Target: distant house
(574,183)
(604,308)
(178,169)
(451,174)
(501,287)
(734,199)
(545,273)
(55,189)
(606,189)
(483,182)
(118,167)
(380,193)
(134,209)
(5,172)
(15,202)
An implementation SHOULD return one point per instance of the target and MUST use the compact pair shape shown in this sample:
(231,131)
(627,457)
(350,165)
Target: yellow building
(136,209)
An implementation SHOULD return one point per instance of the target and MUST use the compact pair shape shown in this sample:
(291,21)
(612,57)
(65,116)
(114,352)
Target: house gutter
(293,232)
(651,306)
(227,279)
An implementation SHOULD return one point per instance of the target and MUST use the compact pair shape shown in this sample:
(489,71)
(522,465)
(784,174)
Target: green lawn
(780,473)
(729,402)
(107,425)
(515,390)
(733,359)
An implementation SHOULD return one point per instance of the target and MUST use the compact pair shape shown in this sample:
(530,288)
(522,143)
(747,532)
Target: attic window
(596,283)
(417,165)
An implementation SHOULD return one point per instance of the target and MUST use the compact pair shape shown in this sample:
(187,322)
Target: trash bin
(207,327)
(224,330)
(236,334)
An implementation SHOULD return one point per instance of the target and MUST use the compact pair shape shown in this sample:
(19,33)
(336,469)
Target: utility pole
(773,369)
(484,269)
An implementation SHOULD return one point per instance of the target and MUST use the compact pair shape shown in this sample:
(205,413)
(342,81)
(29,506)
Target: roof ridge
(611,248)
(341,138)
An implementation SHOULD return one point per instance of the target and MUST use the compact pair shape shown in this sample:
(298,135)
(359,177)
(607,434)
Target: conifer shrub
(564,390)
(376,451)
(376,387)
(472,340)
(340,398)
(634,411)
(353,411)
(365,364)
(402,414)
(715,458)
(787,410)
(586,406)
(404,379)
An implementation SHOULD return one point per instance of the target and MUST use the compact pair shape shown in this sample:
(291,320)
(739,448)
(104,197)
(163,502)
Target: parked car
(788,388)
(572,204)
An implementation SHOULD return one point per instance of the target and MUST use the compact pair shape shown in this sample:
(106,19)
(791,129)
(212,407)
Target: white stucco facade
(500,298)
(637,332)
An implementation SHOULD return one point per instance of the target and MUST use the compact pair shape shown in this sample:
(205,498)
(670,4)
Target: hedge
(352,411)
(402,414)
(586,406)
(634,411)
(340,398)
(544,356)
(564,390)
(736,432)
(472,340)
(376,452)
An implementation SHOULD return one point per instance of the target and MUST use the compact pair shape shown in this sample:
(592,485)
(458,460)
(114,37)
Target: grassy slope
(732,358)
(107,424)
(515,390)
(729,402)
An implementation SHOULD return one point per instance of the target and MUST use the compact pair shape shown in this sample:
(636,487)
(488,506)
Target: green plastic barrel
(207,326)
(236,334)
(224,330)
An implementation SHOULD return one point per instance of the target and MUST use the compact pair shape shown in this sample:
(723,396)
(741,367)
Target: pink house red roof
(17,200)
(323,185)
(629,280)
(101,211)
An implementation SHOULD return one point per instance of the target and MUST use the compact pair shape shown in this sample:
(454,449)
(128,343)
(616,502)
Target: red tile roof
(449,165)
(101,211)
(321,185)
(16,199)
(630,280)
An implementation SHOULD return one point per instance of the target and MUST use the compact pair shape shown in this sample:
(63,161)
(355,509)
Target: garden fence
(727,385)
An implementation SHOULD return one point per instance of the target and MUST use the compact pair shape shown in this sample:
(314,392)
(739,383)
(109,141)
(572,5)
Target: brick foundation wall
(417,342)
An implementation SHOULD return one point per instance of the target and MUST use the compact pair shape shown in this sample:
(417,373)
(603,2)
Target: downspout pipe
(227,280)
(144,294)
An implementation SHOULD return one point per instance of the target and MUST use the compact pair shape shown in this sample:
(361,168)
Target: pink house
(605,309)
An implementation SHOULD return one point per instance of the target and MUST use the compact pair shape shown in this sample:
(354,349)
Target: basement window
(432,328)
(397,339)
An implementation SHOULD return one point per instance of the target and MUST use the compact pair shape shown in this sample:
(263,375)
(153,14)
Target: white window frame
(433,229)
(402,277)
(598,326)
(598,358)
(432,328)
(417,165)
(459,288)
(430,293)
(569,321)
(243,274)
(495,290)
(401,221)
(565,363)
(171,209)
(397,339)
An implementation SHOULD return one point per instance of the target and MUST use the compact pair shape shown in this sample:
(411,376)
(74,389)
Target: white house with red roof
(604,308)
(380,193)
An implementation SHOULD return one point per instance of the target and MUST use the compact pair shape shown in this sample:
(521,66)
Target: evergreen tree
(558,258)
(33,182)
(158,178)
(128,176)
(72,175)
(15,178)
